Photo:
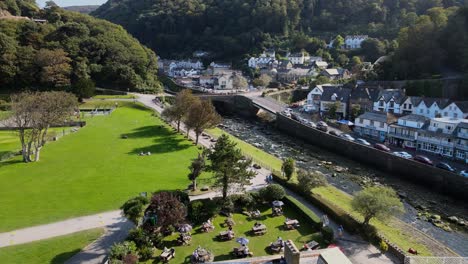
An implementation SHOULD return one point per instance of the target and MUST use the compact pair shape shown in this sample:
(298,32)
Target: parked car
(363,142)
(445,166)
(333,132)
(464,173)
(322,126)
(423,159)
(312,124)
(381,147)
(347,137)
(403,154)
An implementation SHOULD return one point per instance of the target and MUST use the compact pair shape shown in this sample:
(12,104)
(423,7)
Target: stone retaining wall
(437,179)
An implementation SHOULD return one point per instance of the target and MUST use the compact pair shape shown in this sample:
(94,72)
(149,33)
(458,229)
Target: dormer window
(392,103)
(381,102)
(334,96)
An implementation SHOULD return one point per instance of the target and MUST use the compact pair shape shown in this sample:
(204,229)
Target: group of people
(144,154)
(269,178)
(277,211)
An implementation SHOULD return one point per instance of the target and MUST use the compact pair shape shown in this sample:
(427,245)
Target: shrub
(130,259)
(327,234)
(272,192)
(383,246)
(146,253)
(119,250)
(134,208)
(307,181)
(288,168)
(201,210)
(242,201)
(139,237)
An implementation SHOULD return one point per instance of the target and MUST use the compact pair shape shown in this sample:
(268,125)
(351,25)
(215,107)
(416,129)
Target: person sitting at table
(257,224)
(246,250)
(230,234)
(195,255)
(280,241)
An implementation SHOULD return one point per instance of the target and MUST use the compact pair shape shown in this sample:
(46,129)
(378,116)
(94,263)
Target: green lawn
(94,169)
(107,96)
(258,244)
(259,156)
(388,229)
(54,251)
(9,142)
(103,104)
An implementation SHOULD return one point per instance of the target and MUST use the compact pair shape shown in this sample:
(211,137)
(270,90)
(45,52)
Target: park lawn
(103,104)
(4,115)
(94,169)
(108,96)
(393,234)
(259,156)
(258,244)
(54,250)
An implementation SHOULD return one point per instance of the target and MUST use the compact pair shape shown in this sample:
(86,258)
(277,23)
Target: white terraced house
(354,41)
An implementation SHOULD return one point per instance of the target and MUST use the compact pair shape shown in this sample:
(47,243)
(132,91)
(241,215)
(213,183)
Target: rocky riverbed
(439,216)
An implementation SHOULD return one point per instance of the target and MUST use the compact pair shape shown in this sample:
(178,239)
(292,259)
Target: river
(265,136)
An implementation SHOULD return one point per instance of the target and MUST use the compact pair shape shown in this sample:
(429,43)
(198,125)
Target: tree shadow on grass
(150,131)
(62,257)
(9,162)
(164,145)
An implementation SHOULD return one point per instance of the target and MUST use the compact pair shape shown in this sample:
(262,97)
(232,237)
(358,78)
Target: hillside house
(404,133)
(354,41)
(335,95)
(373,124)
(336,74)
(389,101)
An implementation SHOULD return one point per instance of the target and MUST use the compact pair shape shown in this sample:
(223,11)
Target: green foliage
(139,237)
(229,165)
(379,202)
(69,48)
(84,88)
(309,180)
(179,27)
(134,208)
(327,234)
(288,167)
(201,210)
(338,42)
(272,193)
(146,253)
(383,246)
(372,49)
(119,250)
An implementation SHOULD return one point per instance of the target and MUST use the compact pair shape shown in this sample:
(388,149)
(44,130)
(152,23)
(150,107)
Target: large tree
(309,180)
(34,113)
(180,109)
(168,209)
(380,202)
(55,68)
(231,169)
(197,166)
(202,115)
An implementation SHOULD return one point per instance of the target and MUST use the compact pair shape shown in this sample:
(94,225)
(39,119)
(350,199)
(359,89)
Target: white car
(312,124)
(464,173)
(363,142)
(347,137)
(403,154)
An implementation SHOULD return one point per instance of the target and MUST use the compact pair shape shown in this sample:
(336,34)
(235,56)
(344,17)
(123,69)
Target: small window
(427,111)
(420,111)
(455,115)
(445,114)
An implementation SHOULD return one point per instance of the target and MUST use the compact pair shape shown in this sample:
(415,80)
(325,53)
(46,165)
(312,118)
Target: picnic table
(276,246)
(229,222)
(241,252)
(206,227)
(277,211)
(203,255)
(167,254)
(311,245)
(291,223)
(228,235)
(259,229)
(185,239)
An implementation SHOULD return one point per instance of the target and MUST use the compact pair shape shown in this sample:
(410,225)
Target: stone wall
(437,179)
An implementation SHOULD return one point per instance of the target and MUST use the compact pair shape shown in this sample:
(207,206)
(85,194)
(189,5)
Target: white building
(439,137)
(389,101)
(220,65)
(298,58)
(314,97)
(409,103)
(223,82)
(335,95)
(321,65)
(404,133)
(354,41)
(373,124)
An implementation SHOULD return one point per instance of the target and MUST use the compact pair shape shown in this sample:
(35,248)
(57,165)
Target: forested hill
(86,9)
(60,49)
(234,27)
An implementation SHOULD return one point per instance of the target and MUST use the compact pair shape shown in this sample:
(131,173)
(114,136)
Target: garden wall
(437,179)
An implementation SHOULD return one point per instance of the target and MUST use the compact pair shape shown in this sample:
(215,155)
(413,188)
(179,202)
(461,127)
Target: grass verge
(54,250)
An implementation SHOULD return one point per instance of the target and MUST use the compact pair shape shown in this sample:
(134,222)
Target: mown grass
(94,169)
(259,156)
(258,244)
(388,228)
(54,250)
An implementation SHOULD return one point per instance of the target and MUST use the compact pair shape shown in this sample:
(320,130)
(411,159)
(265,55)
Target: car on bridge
(423,159)
(363,142)
(322,126)
(445,166)
(402,154)
(381,147)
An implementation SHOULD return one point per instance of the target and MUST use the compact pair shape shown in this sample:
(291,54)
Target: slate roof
(375,116)
(343,94)
(388,94)
(441,102)
(463,106)
(415,118)
(365,93)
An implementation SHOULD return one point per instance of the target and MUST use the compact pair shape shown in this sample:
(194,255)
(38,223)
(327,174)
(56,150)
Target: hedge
(305,212)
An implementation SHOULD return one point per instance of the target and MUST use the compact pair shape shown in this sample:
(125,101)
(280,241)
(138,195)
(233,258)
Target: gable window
(392,104)
(410,106)
(445,114)
(381,103)
(455,115)
(420,111)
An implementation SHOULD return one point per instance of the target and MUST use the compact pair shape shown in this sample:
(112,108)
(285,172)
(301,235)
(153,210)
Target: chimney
(291,253)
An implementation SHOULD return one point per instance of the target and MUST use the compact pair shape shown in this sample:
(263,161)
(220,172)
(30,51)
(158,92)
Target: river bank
(350,176)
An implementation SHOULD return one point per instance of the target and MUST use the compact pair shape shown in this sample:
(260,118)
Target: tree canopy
(68,48)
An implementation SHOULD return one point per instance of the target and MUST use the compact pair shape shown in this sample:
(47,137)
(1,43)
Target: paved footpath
(117,227)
